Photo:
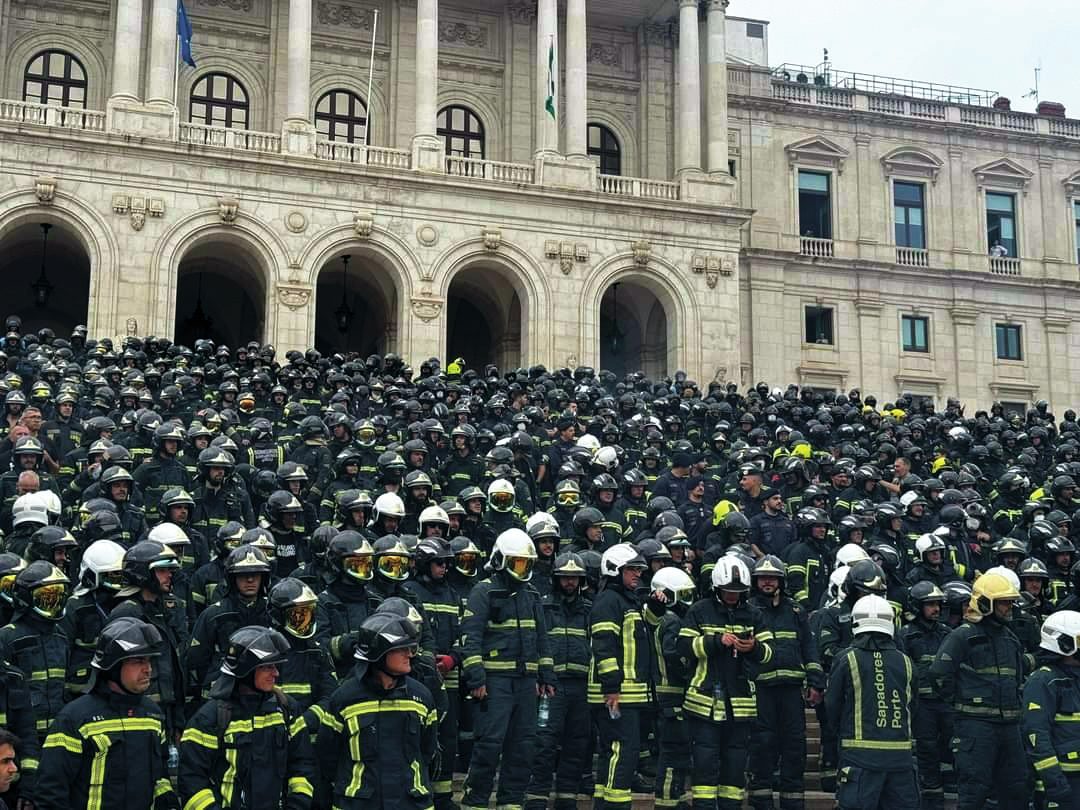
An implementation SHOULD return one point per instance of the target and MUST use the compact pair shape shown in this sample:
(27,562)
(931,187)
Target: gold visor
(358,567)
(394,566)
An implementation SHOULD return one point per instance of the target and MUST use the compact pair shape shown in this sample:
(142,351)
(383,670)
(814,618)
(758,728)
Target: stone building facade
(660,219)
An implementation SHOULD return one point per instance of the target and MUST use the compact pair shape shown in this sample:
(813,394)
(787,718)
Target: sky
(989,45)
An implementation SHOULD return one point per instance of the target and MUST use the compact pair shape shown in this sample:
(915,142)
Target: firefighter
(620,675)
(379,736)
(108,749)
(932,725)
(785,684)
(506,666)
(722,637)
(442,609)
(343,606)
(248,747)
(241,603)
(1051,701)
(978,669)
(563,737)
(872,691)
(163,470)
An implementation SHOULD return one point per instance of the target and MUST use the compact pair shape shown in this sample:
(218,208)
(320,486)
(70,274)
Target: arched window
(604,149)
(219,100)
(462,131)
(55,77)
(342,115)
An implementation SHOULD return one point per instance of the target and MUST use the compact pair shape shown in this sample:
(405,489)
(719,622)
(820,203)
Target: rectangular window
(731,167)
(908,215)
(755,30)
(1008,341)
(819,325)
(915,333)
(1001,224)
(815,208)
(1014,409)
(1076,218)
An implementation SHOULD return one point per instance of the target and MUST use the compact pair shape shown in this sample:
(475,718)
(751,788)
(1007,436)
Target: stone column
(298,132)
(716,86)
(689,130)
(547,35)
(126,50)
(427,149)
(162,76)
(576,81)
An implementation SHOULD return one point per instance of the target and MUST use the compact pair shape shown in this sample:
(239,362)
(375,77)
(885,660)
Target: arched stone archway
(220,294)
(60,267)
(633,330)
(484,317)
(356,305)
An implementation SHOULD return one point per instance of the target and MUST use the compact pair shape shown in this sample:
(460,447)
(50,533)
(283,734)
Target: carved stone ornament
(363,222)
(427,236)
(233,5)
(294,296)
(344,15)
(426,309)
(45,189)
(523,13)
(296,222)
(228,208)
(138,220)
(492,239)
(121,203)
(727,266)
(642,252)
(603,53)
(452,32)
(551,249)
(658,35)
(709,265)
(566,257)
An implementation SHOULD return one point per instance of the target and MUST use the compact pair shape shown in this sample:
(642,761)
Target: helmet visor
(520,567)
(300,620)
(501,500)
(232,543)
(394,566)
(568,499)
(465,562)
(111,580)
(7,585)
(358,566)
(48,600)
(684,596)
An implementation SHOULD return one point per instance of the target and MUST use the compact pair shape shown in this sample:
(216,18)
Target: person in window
(998,250)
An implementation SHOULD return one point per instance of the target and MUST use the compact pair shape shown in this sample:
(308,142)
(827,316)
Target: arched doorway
(220,294)
(46,269)
(483,318)
(633,331)
(356,304)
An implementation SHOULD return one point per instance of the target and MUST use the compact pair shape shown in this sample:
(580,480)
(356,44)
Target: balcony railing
(638,187)
(378,156)
(245,140)
(912,257)
(1004,266)
(50,115)
(494,170)
(818,248)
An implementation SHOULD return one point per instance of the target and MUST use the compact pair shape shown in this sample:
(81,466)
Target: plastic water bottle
(174,758)
(543,712)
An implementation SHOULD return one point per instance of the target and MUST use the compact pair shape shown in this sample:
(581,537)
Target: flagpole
(370,76)
(176,74)
(551,45)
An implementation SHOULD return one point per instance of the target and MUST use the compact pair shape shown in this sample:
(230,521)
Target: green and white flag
(549,103)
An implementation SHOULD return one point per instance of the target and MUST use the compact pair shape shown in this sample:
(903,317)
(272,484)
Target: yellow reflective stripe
(372,706)
(48,674)
(121,724)
(703,792)
(439,607)
(228,780)
(513,624)
(162,787)
(471,661)
(604,627)
(60,740)
(331,722)
(729,792)
(629,648)
(201,800)
(298,784)
(567,631)
(296,688)
(298,725)
(97,772)
(606,665)
(193,735)
(418,781)
(1044,764)
(249,725)
(856,682)
(1067,718)
(572,667)
(785,634)
(877,745)
(357,777)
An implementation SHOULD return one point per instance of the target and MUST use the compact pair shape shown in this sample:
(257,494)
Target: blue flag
(183,32)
